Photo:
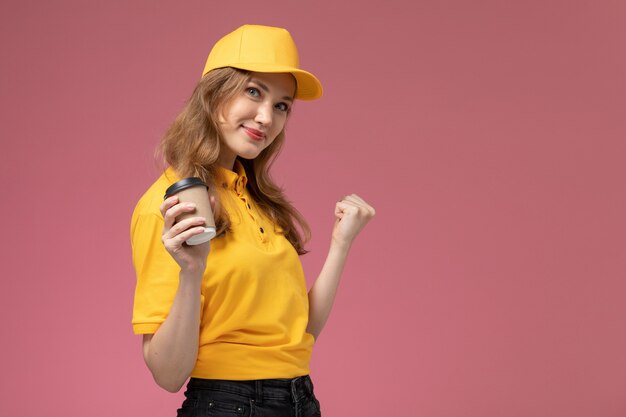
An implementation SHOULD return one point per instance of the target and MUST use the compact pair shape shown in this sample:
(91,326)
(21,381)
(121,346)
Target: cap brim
(308,86)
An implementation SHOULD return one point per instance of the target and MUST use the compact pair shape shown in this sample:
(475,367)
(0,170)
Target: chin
(250,154)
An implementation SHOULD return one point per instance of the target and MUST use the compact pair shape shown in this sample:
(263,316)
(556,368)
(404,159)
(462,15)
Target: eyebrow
(267,90)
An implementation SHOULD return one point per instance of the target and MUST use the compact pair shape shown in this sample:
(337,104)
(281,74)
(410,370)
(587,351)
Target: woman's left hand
(352,214)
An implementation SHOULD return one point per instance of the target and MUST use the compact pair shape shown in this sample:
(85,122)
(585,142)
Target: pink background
(489,135)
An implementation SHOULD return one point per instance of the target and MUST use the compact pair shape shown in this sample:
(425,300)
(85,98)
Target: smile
(254,133)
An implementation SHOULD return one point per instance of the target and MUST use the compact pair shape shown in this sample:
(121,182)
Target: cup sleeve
(157,274)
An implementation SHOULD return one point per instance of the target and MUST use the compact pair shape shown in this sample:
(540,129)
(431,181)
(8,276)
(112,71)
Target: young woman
(234,314)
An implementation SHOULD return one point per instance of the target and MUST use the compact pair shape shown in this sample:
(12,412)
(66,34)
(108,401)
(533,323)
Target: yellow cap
(263,49)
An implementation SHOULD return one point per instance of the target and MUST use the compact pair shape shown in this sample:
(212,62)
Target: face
(253,119)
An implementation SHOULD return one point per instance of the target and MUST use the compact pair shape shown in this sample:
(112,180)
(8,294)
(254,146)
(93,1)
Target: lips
(254,133)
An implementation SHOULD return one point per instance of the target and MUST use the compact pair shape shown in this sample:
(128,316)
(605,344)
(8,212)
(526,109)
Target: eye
(253,92)
(282,107)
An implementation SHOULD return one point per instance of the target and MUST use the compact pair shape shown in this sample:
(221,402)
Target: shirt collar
(234,180)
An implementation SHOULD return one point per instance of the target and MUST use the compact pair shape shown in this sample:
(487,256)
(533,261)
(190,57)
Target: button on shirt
(239,204)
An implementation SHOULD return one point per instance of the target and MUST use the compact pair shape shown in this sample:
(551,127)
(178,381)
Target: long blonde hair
(191,145)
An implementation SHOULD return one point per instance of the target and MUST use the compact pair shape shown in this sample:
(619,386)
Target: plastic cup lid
(184,184)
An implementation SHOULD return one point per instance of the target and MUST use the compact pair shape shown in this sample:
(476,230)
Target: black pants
(260,398)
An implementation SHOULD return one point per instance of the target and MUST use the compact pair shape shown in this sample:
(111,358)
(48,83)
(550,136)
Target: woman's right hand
(190,258)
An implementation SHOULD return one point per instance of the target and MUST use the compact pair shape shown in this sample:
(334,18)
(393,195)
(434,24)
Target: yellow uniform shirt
(254,303)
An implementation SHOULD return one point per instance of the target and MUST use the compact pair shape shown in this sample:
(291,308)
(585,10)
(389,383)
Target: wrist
(340,246)
(192,273)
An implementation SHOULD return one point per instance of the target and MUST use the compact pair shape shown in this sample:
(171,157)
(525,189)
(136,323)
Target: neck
(227,161)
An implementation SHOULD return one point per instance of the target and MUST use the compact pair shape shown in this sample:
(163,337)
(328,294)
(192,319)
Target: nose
(264,114)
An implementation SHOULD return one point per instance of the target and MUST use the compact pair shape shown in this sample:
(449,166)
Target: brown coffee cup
(194,190)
